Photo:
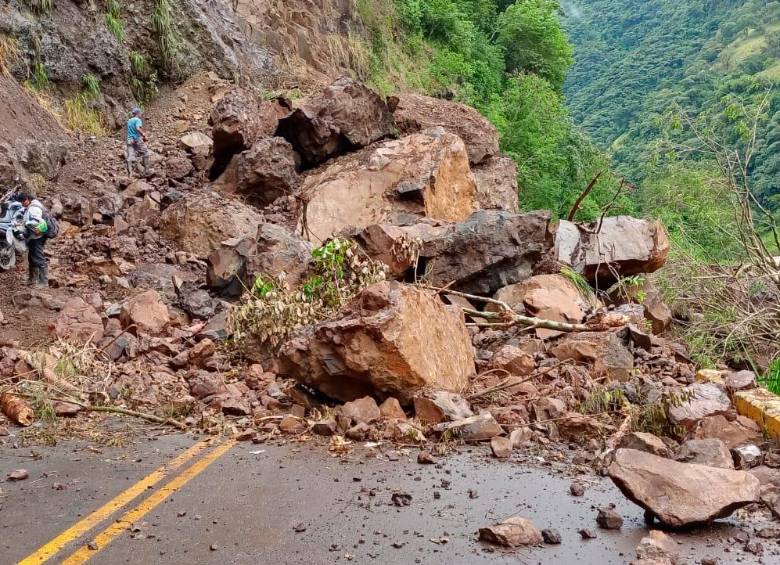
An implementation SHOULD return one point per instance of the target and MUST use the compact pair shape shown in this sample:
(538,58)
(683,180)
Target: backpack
(53,225)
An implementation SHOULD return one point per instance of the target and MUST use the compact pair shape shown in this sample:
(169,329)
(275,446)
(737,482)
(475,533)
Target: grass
(40,6)
(91,86)
(79,116)
(40,78)
(771,379)
(10,54)
(167,39)
(138,64)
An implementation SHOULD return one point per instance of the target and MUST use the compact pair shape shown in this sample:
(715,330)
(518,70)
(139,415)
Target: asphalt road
(296,503)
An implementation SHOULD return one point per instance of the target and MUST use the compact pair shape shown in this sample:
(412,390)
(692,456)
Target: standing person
(37,228)
(136,142)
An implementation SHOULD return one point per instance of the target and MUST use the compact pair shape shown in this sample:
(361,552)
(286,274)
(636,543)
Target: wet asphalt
(296,503)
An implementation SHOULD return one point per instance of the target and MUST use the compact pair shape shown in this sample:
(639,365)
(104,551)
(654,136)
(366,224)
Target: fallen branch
(509,383)
(583,195)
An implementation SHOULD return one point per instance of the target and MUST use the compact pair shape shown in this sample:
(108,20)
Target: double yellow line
(106,536)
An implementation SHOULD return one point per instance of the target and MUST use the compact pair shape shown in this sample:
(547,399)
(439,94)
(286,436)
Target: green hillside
(637,60)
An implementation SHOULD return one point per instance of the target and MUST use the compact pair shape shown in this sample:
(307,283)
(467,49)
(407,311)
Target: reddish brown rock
(625,245)
(202,352)
(78,322)
(414,113)
(363,410)
(733,434)
(512,532)
(391,409)
(705,400)
(426,174)
(391,340)
(574,426)
(292,425)
(681,494)
(345,117)
(146,312)
(643,441)
(551,297)
(496,180)
(514,360)
(712,452)
(477,428)
(267,171)
(740,380)
(609,519)
(604,350)
(239,119)
(199,223)
(441,406)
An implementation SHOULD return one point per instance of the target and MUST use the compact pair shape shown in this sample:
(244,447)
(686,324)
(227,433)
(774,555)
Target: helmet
(135,111)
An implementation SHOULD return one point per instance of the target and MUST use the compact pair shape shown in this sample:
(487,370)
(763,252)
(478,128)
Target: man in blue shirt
(136,143)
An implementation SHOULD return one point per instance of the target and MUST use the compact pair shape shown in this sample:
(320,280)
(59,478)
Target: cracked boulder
(345,117)
(681,494)
(78,322)
(621,246)
(390,340)
(422,175)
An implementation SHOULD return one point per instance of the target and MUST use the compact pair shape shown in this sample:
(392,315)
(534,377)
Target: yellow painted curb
(761,406)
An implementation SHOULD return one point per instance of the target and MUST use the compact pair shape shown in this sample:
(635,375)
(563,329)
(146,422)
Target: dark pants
(38,267)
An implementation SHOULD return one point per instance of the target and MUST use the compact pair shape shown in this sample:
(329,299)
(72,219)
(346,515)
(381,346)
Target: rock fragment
(512,532)
(434,407)
(712,452)
(609,519)
(501,447)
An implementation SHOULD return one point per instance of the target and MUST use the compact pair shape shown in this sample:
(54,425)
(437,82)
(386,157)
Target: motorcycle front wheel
(7,256)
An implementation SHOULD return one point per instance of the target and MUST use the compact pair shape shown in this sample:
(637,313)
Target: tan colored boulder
(514,360)
(199,223)
(346,116)
(604,350)
(681,494)
(434,407)
(733,434)
(414,113)
(362,411)
(425,174)
(497,184)
(625,245)
(551,297)
(391,340)
(644,441)
(78,322)
(391,409)
(657,547)
(481,427)
(146,312)
(512,532)
(574,426)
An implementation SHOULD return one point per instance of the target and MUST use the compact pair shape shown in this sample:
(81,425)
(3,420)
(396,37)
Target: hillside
(637,60)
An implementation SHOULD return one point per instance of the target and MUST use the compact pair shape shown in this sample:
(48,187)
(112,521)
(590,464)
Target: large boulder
(199,223)
(701,400)
(280,251)
(78,322)
(488,251)
(604,350)
(391,340)
(414,113)
(144,313)
(552,297)
(681,494)
(425,174)
(621,245)
(267,171)
(497,184)
(239,119)
(345,117)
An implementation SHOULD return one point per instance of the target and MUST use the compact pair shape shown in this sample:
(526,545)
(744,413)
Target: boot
(32,276)
(42,280)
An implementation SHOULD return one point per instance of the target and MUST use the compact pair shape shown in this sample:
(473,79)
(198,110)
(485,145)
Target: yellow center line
(83,554)
(81,527)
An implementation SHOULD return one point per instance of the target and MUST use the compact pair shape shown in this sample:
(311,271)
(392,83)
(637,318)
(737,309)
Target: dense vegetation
(642,62)
(509,60)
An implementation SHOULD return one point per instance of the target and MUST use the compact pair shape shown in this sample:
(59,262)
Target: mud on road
(296,503)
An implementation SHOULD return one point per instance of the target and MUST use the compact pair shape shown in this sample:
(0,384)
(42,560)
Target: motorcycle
(12,232)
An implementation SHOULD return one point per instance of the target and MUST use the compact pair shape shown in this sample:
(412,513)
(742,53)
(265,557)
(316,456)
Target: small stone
(292,425)
(392,410)
(577,489)
(300,527)
(363,410)
(608,519)
(586,533)
(502,447)
(92,546)
(18,475)
(746,456)
(358,432)
(513,532)
(710,561)
(551,536)
(401,498)
(213,547)
(425,458)
(754,547)
(325,427)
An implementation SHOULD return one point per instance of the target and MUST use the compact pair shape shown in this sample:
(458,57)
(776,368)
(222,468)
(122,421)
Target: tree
(534,42)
